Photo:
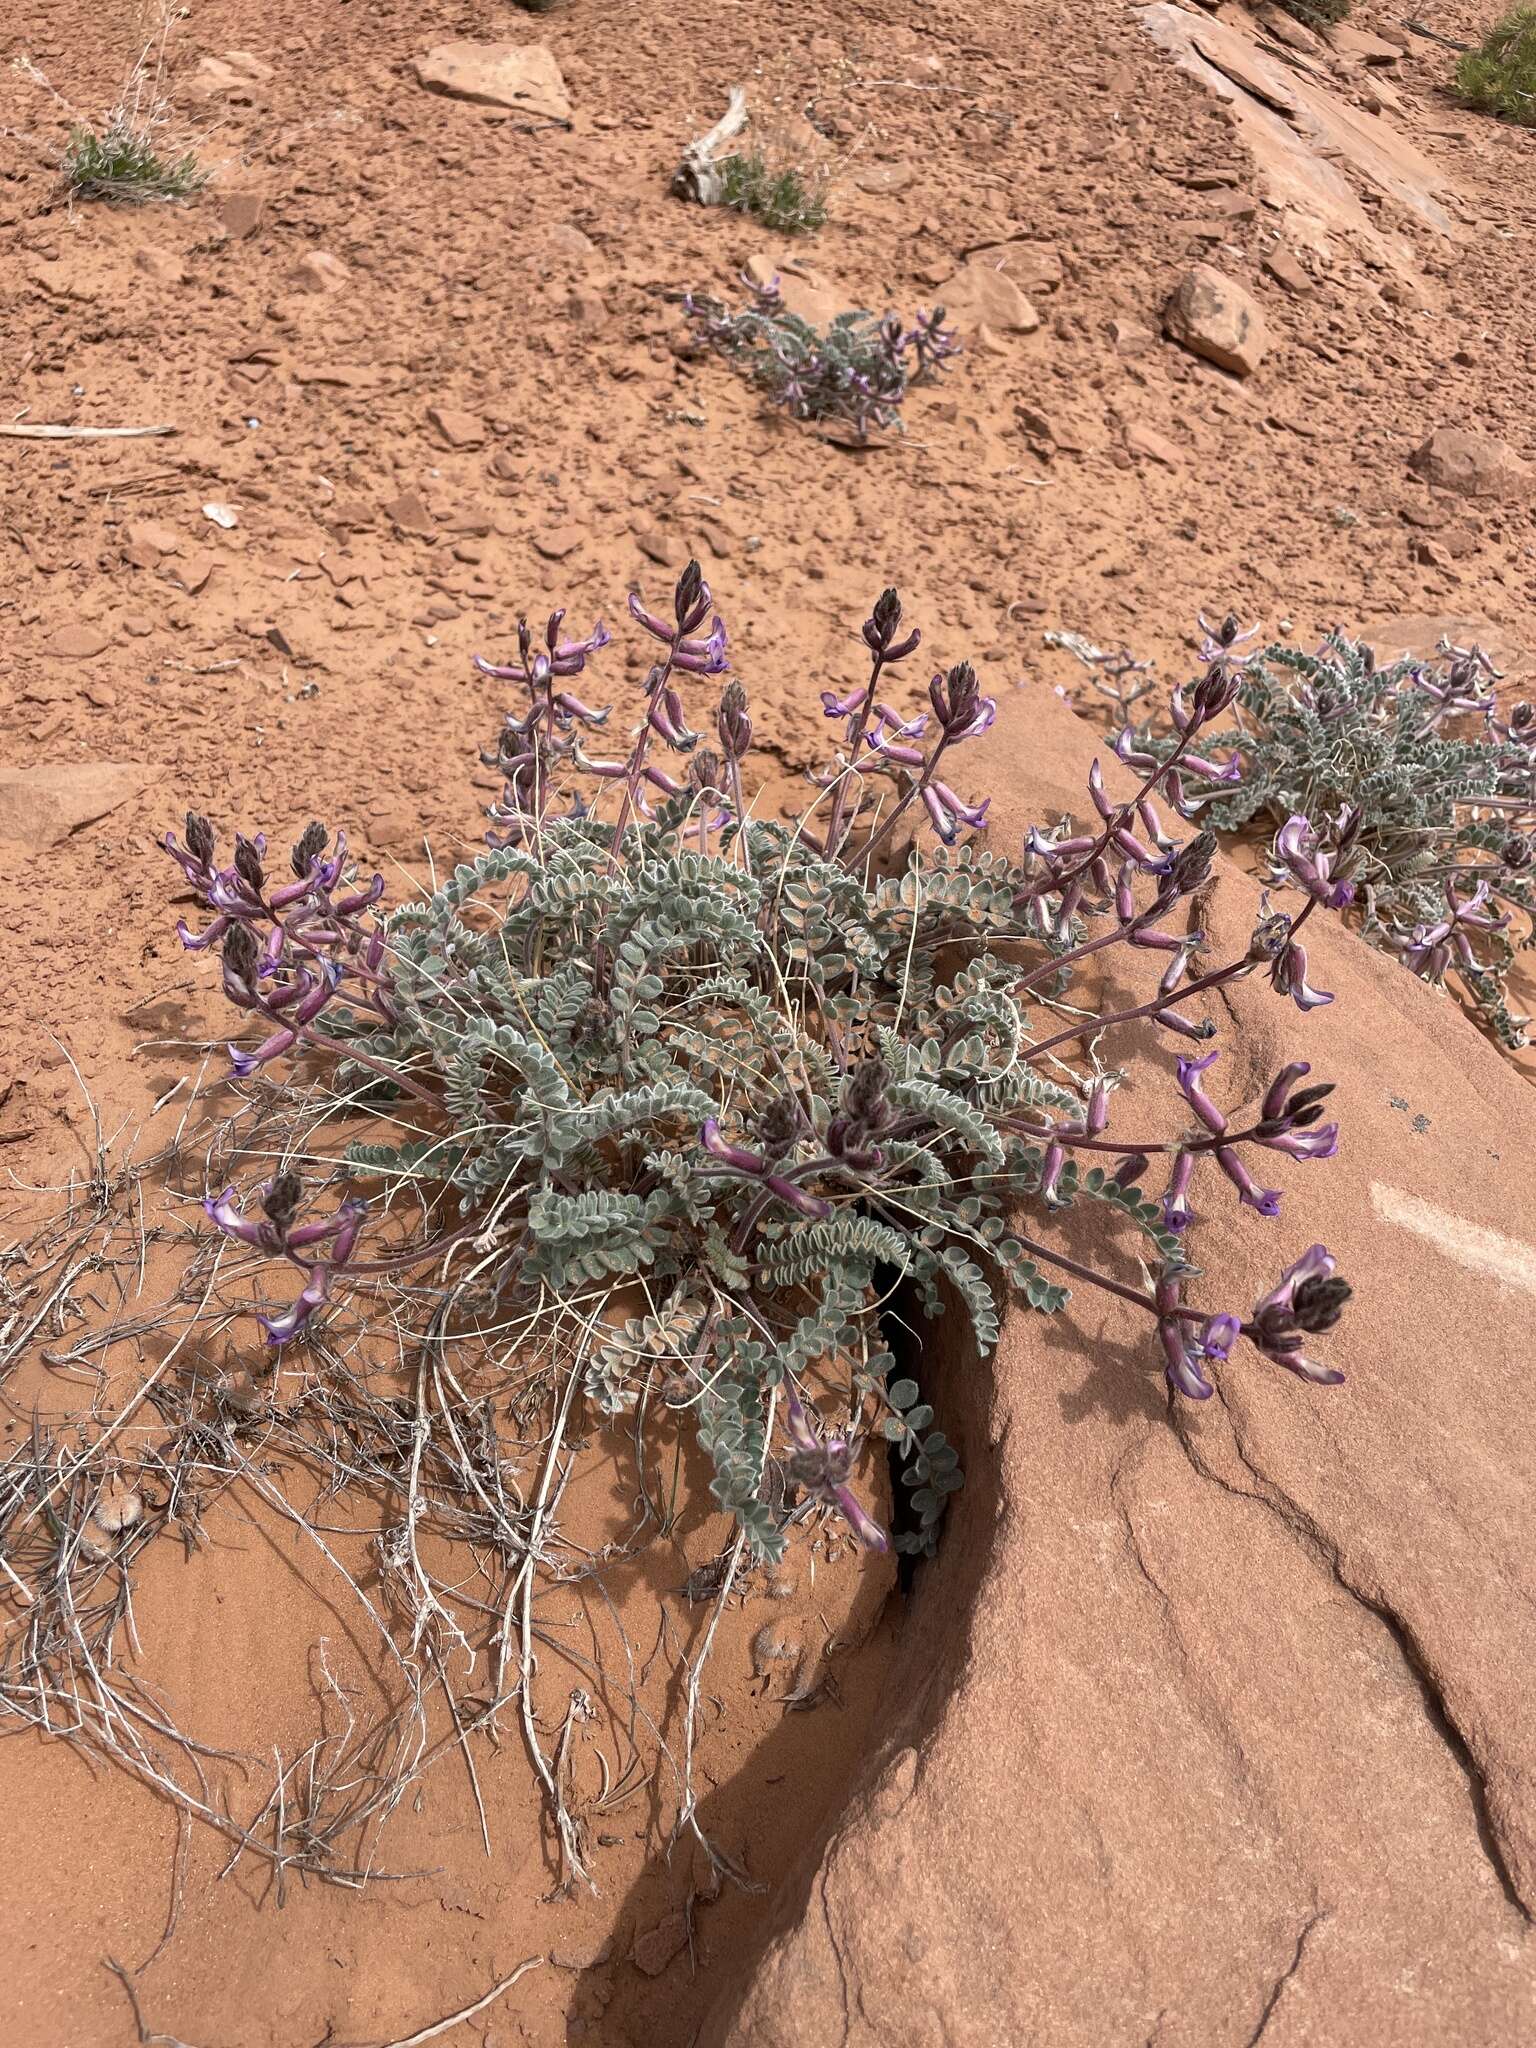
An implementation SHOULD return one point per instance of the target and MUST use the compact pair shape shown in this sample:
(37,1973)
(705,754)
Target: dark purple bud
(311,844)
(242,965)
(248,863)
(735,723)
(880,629)
(780,1126)
(1318,1302)
(200,839)
(691,600)
(1215,691)
(280,1199)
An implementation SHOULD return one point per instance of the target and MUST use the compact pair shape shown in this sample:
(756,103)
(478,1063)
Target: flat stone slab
(39,807)
(522,76)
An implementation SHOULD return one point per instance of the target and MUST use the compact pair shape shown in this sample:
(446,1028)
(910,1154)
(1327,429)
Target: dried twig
(21,430)
(467,2012)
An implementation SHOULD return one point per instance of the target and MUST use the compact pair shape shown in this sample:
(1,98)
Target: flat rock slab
(1215,1725)
(983,292)
(40,807)
(522,76)
(1304,137)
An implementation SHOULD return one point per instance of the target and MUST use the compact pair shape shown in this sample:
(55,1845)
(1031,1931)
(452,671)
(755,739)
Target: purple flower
(822,1467)
(1219,645)
(1300,855)
(1265,1200)
(1176,1213)
(736,1156)
(949,812)
(1288,977)
(1307,1300)
(1189,1071)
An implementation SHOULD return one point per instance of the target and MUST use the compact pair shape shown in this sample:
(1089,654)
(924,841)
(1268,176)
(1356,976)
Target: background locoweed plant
(716,1089)
(857,370)
(1499,77)
(1412,776)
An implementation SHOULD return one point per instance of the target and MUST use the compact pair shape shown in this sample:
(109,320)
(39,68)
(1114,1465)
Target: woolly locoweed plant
(1418,785)
(710,1089)
(856,372)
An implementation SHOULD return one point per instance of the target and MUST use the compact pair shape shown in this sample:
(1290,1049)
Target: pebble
(456,429)
(1215,318)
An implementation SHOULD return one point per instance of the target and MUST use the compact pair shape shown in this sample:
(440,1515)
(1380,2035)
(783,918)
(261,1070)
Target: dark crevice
(1286,1975)
(1321,1547)
(901,1319)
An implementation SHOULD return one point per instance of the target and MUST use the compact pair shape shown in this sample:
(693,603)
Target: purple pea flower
(948,812)
(756,1167)
(1219,645)
(821,1465)
(1307,1300)
(1288,977)
(1177,1215)
(1265,1200)
(1299,855)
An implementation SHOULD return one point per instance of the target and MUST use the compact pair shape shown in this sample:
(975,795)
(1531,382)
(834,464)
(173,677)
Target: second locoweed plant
(1417,784)
(712,1089)
(855,372)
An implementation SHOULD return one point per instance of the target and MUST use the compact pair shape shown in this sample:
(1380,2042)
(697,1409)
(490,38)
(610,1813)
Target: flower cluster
(288,946)
(318,1250)
(857,371)
(880,742)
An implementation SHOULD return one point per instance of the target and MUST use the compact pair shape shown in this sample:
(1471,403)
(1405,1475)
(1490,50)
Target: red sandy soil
(314,660)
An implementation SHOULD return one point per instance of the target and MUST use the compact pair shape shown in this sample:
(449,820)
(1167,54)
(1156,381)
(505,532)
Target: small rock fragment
(654,1949)
(1213,317)
(1287,271)
(556,542)
(160,266)
(319,271)
(1131,338)
(241,214)
(1144,441)
(79,643)
(456,429)
(1475,465)
(982,291)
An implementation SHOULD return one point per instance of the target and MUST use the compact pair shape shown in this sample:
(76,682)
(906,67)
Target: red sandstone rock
(1213,317)
(1476,465)
(1218,1722)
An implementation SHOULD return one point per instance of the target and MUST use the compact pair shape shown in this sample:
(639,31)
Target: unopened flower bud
(200,840)
(248,864)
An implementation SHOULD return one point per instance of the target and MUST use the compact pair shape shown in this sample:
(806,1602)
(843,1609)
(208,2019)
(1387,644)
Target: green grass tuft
(1317,14)
(1500,78)
(782,199)
(121,163)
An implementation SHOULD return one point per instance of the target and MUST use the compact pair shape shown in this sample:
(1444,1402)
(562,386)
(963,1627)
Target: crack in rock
(1326,1551)
(1277,1990)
